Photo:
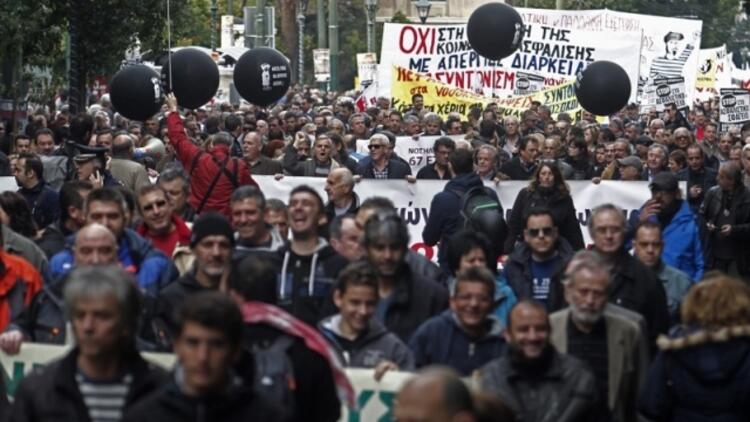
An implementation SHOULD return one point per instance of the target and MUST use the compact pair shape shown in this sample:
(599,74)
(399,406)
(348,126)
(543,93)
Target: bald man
(341,197)
(44,321)
(435,395)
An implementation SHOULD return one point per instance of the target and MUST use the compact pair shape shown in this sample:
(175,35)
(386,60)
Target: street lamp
(301,7)
(423,9)
(371,7)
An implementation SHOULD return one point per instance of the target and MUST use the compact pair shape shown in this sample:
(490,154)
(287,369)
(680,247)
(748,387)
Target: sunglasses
(374,146)
(159,204)
(543,231)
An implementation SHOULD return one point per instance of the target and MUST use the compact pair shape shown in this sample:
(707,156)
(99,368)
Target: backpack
(481,212)
(273,378)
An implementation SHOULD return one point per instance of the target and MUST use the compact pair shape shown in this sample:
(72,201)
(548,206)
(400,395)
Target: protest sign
(444,99)
(367,69)
(374,398)
(734,108)
(322,64)
(528,83)
(412,200)
(714,72)
(444,53)
(663,91)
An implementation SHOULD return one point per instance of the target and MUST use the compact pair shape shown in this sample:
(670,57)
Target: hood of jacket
(277,242)
(321,253)
(710,355)
(464,182)
(496,328)
(330,326)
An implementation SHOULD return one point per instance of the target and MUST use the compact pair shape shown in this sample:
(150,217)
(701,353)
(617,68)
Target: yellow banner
(444,99)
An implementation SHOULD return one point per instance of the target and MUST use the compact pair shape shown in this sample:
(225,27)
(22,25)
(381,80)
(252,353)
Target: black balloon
(136,92)
(195,77)
(603,88)
(495,30)
(262,75)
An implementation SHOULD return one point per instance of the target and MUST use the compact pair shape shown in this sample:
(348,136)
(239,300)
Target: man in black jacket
(406,299)
(204,387)
(72,217)
(534,380)
(699,178)
(633,286)
(41,198)
(522,166)
(103,374)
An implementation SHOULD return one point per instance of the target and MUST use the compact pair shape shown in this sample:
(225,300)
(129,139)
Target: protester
(435,394)
(699,178)
(166,231)
(379,165)
(523,165)
(41,198)
(440,169)
(253,235)
(131,174)
(175,182)
(72,217)
(103,374)
(341,196)
(612,345)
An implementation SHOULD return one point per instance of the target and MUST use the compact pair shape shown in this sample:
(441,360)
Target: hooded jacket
(152,268)
(172,297)
(445,210)
(43,202)
(235,403)
(206,168)
(518,273)
(242,250)
(699,377)
(376,344)
(441,340)
(306,282)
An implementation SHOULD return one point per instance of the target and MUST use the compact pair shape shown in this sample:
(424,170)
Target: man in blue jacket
(682,241)
(445,208)
(466,336)
(152,269)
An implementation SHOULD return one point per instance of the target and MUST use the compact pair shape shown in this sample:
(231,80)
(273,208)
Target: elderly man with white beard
(607,340)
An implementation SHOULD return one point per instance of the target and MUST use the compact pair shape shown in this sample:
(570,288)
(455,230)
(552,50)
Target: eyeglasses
(540,232)
(374,146)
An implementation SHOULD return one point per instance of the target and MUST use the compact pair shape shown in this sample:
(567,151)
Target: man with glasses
(379,166)
(682,139)
(159,224)
(633,285)
(440,169)
(535,268)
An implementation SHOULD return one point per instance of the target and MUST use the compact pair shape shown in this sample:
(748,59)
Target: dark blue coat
(442,341)
(43,202)
(700,383)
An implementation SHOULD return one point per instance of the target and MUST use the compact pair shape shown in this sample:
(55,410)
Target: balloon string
(169,46)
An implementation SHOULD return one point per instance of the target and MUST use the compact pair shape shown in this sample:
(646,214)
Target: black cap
(87,153)
(664,181)
(211,224)
(673,36)
(644,140)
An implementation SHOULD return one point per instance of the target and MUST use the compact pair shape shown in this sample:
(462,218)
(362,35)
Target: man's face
(85,169)
(247,219)
(528,331)
(152,127)
(394,123)
(23,146)
(176,193)
(531,152)
(473,258)
(206,356)
(442,153)
(472,303)
(96,249)
(108,214)
(648,246)
(336,188)
(682,138)
(725,145)
(98,326)
(540,234)
(709,133)
(304,214)
(418,103)
(621,150)
(348,246)
(323,148)
(550,149)
(629,173)
(695,159)
(358,126)
(156,211)
(631,133)
(673,48)
(278,219)
(251,146)
(23,177)
(655,158)
(45,144)
(455,129)
(356,305)
(587,295)
(485,161)
(212,255)
(432,128)
(609,152)
(608,232)
(531,120)
(377,149)
(386,256)
(104,140)
(663,198)
(290,124)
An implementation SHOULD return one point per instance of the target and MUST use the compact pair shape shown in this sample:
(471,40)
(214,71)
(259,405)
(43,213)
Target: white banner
(557,54)
(374,398)
(664,91)
(734,108)
(412,200)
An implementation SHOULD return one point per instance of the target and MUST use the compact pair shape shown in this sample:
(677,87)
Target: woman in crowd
(16,214)
(677,161)
(702,371)
(578,158)
(548,189)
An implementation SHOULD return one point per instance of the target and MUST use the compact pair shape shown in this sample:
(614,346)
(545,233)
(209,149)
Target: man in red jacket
(214,174)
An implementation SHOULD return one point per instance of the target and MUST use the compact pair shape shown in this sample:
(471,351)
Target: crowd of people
(125,237)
